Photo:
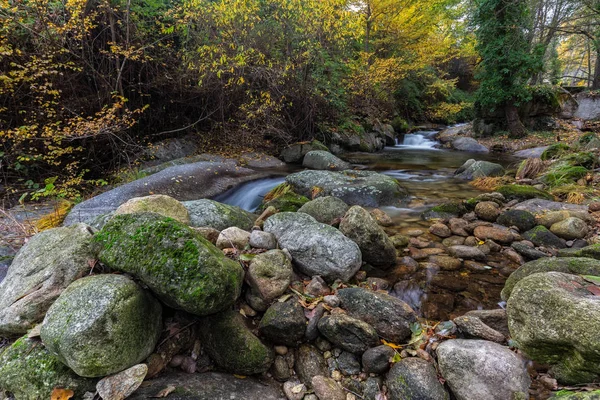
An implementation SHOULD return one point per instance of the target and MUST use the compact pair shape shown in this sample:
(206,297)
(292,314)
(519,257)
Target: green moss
(582,159)
(523,192)
(318,145)
(457,208)
(289,201)
(563,174)
(569,395)
(587,138)
(554,151)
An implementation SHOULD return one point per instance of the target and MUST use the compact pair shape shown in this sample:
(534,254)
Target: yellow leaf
(61,394)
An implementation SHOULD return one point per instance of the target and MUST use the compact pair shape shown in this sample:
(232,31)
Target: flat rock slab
(182,182)
(209,386)
(539,206)
(535,152)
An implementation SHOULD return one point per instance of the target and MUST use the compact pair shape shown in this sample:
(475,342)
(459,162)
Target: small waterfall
(249,195)
(418,140)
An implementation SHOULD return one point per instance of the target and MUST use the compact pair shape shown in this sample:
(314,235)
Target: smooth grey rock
(284,323)
(467,252)
(469,145)
(296,152)
(316,249)
(540,206)
(325,209)
(495,319)
(40,271)
(535,152)
(478,369)
(570,228)
(414,378)
(212,214)
(269,275)
(102,324)
(588,108)
(348,333)
(478,169)
(530,253)
(233,237)
(324,160)
(263,240)
(472,327)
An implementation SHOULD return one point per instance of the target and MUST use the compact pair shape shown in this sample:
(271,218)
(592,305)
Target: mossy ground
(523,192)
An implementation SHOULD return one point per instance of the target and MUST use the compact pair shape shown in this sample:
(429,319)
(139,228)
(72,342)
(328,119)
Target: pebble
(281,350)
(331,300)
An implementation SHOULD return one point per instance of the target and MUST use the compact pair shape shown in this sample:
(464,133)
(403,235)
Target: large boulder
(232,346)
(42,269)
(376,247)
(182,182)
(540,206)
(102,324)
(284,323)
(523,220)
(269,275)
(570,228)
(469,145)
(414,378)
(324,160)
(391,317)
(568,265)
(156,203)
(588,108)
(478,369)
(316,249)
(592,251)
(29,372)
(555,318)
(325,209)
(212,214)
(363,188)
(472,169)
(541,236)
(181,267)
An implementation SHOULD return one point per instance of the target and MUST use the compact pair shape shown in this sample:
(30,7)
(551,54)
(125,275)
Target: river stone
(182,182)
(347,333)
(469,145)
(540,206)
(523,220)
(269,275)
(555,320)
(446,263)
(363,188)
(41,270)
(212,214)
(284,323)
(495,319)
(316,248)
(207,386)
(496,233)
(232,345)
(233,237)
(391,317)
(568,265)
(472,327)
(570,228)
(478,369)
(592,251)
(478,169)
(487,210)
(29,372)
(376,247)
(325,209)
(376,360)
(541,236)
(348,364)
(552,217)
(327,389)
(440,230)
(324,160)
(414,378)
(156,203)
(181,267)
(263,240)
(296,152)
(309,363)
(102,324)
(467,252)
(527,251)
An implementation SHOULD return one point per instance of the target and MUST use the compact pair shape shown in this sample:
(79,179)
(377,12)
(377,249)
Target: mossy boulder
(541,236)
(156,203)
(325,209)
(102,324)
(448,210)
(592,251)
(232,345)
(584,159)
(181,267)
(212,214)
(568,265)
(28,371)
(554,151)
(523,192)
(569,395)
(523,220)
(472,169)
(287,202)
(555,319)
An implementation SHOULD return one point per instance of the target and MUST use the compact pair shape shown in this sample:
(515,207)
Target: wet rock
(592,251)
(324,160)
(263,240)
(376,360)
(317,249)
(496,319)
(296,152)
(325,209)
(540,236)
(452,283)
(283,323)
(41,270)
(210,213)
(182,268)
(554,318)
(348,364)
(363,188)
(309,363)
(473,328)
(400,241)
(102,324)
(478,169)
(457,226)
(30,372)
(496,233)
(376,247)
(232,345)
(523,220)
(468,144)
(446,263)
(487,210)
(568,265)
(570,228)
(453,241)
(327,389)
(414,378)
(348,333)
(157,203)
(530,253)
(269,275)
(477,369)
(467,252)
(440,230)
(381,217)
(390,316)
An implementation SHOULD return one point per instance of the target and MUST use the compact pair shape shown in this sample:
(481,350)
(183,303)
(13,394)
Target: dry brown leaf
(61,394)
(122,385)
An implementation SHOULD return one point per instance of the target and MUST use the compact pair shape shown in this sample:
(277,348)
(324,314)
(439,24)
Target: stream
(426,170)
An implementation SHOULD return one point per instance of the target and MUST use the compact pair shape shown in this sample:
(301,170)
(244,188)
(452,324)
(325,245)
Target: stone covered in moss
(29,372)
(232,346)
(554,151)
(523,192)
(592,251)
(569,395)
(523,220)
(472,169)
(555,320)
(569,265)
(156,203)
(181,267)
(289,202)
(446,210)
(584,159)
(102,324)
(541,236)
(212,214)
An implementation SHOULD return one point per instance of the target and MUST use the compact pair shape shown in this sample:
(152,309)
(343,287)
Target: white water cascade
(418,140)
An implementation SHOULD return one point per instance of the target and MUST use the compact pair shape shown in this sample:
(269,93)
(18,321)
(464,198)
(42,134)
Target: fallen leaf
(165,392)
(298,388)
(35,331)
(123,384)
(595,290)
(240,376)
(61,394)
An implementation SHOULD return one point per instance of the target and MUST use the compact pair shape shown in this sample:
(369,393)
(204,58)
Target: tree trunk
(596,79)
(515,126)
